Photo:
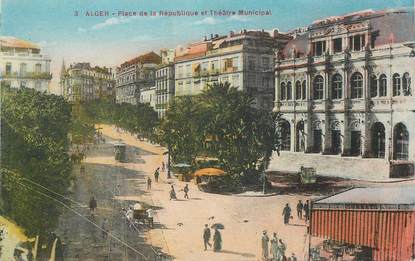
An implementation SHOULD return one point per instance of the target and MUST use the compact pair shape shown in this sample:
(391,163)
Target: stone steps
(332,165)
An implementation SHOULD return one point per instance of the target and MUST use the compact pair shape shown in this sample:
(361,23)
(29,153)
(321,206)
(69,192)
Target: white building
(83,82)
(344,88)
(165,81)
(22,64)
(244,59)
(148,95)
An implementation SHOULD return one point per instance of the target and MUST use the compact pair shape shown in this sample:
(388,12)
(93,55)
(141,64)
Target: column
(292,135)
(366,148)
(308,128)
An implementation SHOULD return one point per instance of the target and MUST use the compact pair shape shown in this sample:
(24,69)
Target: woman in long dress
(274,247)
(217,241)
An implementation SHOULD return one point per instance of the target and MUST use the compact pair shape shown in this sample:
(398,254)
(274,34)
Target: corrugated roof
(378,195)
(13,42)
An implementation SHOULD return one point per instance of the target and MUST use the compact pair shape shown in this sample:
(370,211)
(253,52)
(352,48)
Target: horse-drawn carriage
(140,213)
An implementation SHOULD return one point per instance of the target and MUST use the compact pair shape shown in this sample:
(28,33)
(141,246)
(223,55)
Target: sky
(64,31)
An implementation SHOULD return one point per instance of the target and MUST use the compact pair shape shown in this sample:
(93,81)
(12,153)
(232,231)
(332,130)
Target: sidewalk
(179,224)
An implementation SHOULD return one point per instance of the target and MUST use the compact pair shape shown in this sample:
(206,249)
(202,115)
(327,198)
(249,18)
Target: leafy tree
(223,123)
(34,130)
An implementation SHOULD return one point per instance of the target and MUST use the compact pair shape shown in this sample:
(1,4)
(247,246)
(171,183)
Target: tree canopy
(222,122)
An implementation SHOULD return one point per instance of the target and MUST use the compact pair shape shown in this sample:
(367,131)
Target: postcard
(207,130)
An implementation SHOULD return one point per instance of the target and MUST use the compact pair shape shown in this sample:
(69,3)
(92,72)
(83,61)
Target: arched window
(406,84)
(289,91)
(373,86)
(304,90)
(318,88)
(283,91)
(300,141)
(285,134)
(396,85)
(383,85)
(400,142)
(357,85)
(298,90)
(378,140)
(337,86)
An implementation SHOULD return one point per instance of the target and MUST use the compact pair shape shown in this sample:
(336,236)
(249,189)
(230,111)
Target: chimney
(211,36)
(231,33)
(216,35)
(205,38)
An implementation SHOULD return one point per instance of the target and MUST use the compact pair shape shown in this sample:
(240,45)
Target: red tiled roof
(12,42)
(150,57)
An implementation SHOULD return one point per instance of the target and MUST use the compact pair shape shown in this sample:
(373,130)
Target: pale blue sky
(111,40)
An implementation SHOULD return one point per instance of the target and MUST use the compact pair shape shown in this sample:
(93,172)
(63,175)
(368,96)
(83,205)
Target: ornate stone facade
(344,87)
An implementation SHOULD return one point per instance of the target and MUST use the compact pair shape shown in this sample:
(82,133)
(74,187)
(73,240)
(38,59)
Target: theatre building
(343,86)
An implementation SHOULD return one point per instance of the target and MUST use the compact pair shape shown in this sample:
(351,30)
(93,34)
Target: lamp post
(168,161)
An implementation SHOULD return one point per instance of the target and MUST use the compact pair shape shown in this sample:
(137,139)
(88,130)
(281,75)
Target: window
(357,85)
(318,88)
(396,85)
(265,63)
(406,84)
(304,90)
(373,86)
(38,68)
(283,91)
(357,42)
(383,84)
(8,68)
(337,86)
(319,48)
(289,91)
(23,68)
(337,45)
(251,63)
(298,90)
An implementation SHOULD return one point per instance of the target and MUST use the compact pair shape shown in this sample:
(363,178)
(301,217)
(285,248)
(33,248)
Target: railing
(29,75)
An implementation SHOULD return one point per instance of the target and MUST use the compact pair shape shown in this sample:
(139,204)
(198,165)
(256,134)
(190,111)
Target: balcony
(29,75)
(403,103)
(337,105)
(293,106)
(230,69)
(357,104)
(381,104)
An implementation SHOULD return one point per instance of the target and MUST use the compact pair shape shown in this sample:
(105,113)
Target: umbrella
(181,165)
(217,226)
(137,206)
(209,172)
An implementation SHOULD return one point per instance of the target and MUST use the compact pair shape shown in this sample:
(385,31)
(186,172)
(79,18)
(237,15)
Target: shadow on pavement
(238,253)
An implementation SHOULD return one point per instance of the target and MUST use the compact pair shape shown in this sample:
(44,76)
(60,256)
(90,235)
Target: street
(179,223)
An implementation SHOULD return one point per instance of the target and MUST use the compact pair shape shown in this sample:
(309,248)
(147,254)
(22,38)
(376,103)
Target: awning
(209,172)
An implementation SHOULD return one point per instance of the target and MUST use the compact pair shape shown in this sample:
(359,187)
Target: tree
(223,123)
(181,129)
(34,128)
(244,136)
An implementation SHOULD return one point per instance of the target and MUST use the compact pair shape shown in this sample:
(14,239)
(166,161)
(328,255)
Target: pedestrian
(157,174)
(264,241)
(292,258)
(186,191)
(300,207)
(206,237)
(281,251)
(150,216)
(274,247)
(286,213)
(163,166)
(104,228)
(148,183)
(306,209)
(172,193)
(217,241)
(130,217)
(92,205)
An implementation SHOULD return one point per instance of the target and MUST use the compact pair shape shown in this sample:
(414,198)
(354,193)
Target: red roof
(150,57)
(13,42)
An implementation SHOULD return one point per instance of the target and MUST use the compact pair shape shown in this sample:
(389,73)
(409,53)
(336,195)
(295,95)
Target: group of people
(217,239)
(301,208)
(173,192)
(274,249)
